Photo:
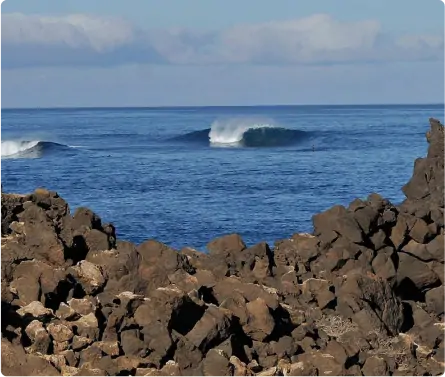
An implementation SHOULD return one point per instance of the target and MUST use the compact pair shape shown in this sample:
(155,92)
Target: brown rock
(435,248)
(66,312)
(83,371)
(434,299)
(336,349)
(417,250)
(169,306)
(379,239)
(300,248)
(319,289)
(187,355)
(39,240)
(80,342)
(87,326)
(225,289)
(82,306)
(323,362)
(375,366)
(213,328)
(260,322)
(89,276)
(120,264)
(60,332)
(374,298)
(131,343)
(420,232)
(15,362)
(400,231)
(230,243)
(35,310)
(416,271)
(216,363)
(39,337)
(337,219)
(383,265)
(157,262)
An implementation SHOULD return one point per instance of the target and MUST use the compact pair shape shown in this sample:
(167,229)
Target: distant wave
(244,133)
(28,149)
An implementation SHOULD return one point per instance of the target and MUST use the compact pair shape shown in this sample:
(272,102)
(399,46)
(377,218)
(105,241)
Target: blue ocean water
(187,175)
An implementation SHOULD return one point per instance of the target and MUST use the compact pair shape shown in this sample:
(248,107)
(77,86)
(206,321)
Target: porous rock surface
(362,295)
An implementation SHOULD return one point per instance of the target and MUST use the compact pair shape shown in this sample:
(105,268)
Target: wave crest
(244,133)
(232,131)
(26,149)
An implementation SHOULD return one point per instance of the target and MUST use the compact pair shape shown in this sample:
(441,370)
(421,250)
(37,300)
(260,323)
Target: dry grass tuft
(335,325)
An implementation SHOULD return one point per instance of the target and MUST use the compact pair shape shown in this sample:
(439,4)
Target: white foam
(11,147)
(231,131)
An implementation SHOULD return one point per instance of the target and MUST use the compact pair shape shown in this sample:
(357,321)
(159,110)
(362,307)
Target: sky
(209,52)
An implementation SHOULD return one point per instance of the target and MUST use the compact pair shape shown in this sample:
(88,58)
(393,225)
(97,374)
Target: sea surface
(187,175)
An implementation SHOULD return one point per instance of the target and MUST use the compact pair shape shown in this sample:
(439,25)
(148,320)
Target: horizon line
(218,106)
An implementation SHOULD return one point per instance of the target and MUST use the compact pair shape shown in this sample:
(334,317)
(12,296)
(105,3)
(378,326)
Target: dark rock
(435,248)
(12,205)
(383,264)
(416,271)
(131,343)
(434,299)
(319,289)
(213,328)
(375,366)
(187,355)
(420,232)
(372,299)
(216,363)
(417,250)
(225,289)
(284,347)
(324,363)
(379,240)
(231,243)
(300,248)
(401,230)
(15,362)
(171,308)
(37,241)
(224,253)
(337,351)
(367,218)
(337,219)
(157,262)
(158,339)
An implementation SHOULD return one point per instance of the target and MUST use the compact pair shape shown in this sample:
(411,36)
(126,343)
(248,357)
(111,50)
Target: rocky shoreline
(362,295)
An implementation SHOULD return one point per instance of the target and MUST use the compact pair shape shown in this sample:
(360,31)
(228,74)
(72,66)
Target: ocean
(187,175)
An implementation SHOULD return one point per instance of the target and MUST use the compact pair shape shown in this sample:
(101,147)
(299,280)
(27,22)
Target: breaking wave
(245,133)
(28,149)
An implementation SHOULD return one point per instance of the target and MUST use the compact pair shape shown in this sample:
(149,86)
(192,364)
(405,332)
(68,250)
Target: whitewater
(11,148)
(232,131)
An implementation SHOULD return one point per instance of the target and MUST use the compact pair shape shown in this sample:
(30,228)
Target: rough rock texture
(362,295)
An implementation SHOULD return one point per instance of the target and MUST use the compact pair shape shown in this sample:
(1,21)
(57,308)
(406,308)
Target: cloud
(34,40)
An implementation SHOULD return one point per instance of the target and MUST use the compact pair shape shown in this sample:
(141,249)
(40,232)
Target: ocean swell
(244,133)
(27,149)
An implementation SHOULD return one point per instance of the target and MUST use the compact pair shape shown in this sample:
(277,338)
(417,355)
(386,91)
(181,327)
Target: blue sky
(208,52)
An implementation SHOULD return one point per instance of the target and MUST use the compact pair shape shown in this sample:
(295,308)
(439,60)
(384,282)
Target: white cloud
(33,40)
(301,40)
(75,31)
